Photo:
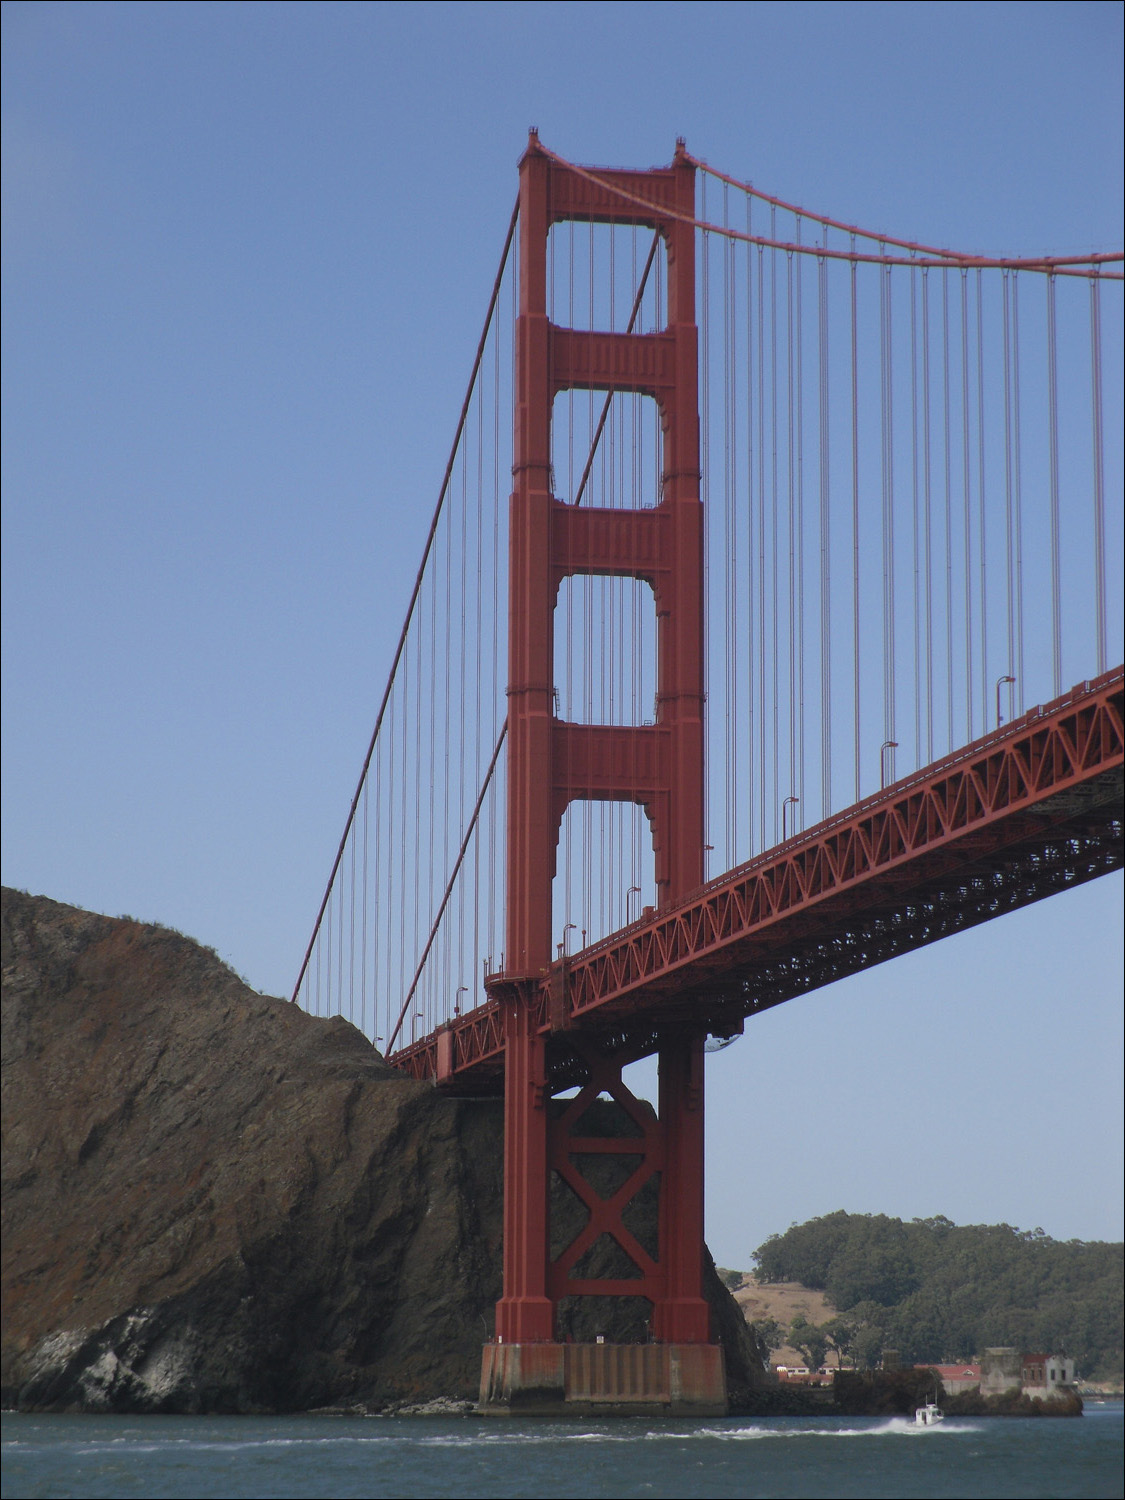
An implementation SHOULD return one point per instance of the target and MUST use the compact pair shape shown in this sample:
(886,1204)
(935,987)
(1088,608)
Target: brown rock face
(215,1202)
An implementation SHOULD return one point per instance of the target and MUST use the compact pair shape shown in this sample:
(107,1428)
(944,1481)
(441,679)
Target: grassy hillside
(939,1291)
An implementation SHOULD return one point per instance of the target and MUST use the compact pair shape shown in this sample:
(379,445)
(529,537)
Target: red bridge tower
(550,764)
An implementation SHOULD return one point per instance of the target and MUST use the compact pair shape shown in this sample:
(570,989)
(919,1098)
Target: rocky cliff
(215,1202)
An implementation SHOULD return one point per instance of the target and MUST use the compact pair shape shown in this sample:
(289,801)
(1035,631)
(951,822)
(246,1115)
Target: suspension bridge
(765,629)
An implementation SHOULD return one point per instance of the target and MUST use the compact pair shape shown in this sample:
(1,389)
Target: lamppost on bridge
(784,813)
(570,927)
(1000,681)
(628,893)
(883,748)
(462,989)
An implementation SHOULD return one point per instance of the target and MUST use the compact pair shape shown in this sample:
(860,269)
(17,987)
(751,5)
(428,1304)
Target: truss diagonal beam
(1031,809)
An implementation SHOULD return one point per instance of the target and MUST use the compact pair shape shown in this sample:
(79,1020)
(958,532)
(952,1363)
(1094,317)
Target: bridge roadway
(1033,808)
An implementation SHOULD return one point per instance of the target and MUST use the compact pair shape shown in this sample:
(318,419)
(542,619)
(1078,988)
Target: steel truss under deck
(1031,809)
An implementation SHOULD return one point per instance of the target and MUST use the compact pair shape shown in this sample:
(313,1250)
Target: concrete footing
(621,1380)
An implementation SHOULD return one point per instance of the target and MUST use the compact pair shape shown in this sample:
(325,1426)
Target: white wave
(477,1439)
(485,1437)
(210,1445)
(891,1427)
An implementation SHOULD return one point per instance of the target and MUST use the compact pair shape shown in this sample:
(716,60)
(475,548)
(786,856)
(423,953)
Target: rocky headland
(214,1202)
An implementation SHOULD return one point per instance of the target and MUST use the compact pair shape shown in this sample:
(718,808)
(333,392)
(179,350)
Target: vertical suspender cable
(825,540)
(887,419)
(396,837)
(791,521)
(1099,467)
(363,928)
(1053,438)
(448,699)
(966,505)
(945,363)
(762,762)
(478,700)
(916,519)
(1017,467)
(379,990)
(774,601)
(351,932)
(982,529)
(340,948)
(733,629)
(928,610)
(595,651)
(705,445)
(728,548)
(404,803)
(577,811)
(327,948)
(596,679)
(855,530)
(439,706)
(750,602)
(1008,512)
(800,789)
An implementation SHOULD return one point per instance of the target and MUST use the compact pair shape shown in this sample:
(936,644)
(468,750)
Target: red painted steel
(644,1150)
(1030,809)
(1023,812)
(551,763)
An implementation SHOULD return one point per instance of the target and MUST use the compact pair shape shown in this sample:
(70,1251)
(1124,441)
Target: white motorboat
(929,1415)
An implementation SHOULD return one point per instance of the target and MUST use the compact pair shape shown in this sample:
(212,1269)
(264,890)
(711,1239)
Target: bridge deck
(1031,809)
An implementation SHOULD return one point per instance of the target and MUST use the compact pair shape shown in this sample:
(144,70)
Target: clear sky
(246,254)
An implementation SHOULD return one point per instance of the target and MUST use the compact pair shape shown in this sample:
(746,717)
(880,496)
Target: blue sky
(246,255)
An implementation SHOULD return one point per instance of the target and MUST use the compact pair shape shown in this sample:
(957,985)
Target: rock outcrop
(215,1202)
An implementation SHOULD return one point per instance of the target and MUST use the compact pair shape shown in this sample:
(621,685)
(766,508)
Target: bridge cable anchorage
(400,646)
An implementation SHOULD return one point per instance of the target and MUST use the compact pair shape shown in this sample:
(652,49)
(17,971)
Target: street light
(570,927)
(1000,681)
(462,989)
(784,811)
(883,748)
(628,893)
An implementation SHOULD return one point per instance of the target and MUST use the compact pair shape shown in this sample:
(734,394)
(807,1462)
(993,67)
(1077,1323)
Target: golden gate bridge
(765,628)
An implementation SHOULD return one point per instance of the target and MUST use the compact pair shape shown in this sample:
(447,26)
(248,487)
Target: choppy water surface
(354,1456)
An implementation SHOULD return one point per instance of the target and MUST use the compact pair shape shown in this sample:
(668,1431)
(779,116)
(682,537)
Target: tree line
(939,1292)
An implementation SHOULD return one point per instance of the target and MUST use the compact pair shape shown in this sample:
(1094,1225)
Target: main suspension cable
(1063,265)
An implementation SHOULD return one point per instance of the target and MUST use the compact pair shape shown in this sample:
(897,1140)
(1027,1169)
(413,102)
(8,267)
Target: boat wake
(891,1427)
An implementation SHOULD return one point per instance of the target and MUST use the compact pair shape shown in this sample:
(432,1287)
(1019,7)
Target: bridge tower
(550,764)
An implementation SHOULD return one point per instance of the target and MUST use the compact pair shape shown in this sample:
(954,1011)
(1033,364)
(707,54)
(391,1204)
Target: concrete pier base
(620,1380)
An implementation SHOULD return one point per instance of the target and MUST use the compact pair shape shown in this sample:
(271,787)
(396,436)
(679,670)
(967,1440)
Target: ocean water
(416,1456)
